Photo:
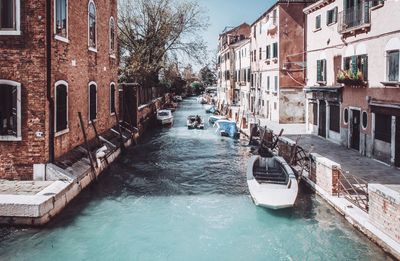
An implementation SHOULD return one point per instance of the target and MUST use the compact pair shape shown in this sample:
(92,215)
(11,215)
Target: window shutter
(335,14)
(318,70)
(354,68)
(14,115)
(324,69)
(328,17)
(364,66)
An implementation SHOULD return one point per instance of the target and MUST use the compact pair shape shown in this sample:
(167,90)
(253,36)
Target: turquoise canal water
(182,195)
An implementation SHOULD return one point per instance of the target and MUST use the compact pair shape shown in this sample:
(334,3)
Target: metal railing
(354,189)
(353,18)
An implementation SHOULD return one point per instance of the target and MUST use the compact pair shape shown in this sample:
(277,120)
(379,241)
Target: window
(321,71)
(92,101)
(276,84)
(275,50)
(357,63)
(9,17)
(364,120)
(346,116)
(10,111)
(112,36)
(112,98)
(318,22)
(393,66)
(248,75)
(92,26)
(268,52)
(331,16)
(383,127)
(334,116)
(61,18)
(255,55)
(315,113)
(260,53)
(268,83)
(255,31)
(274,17)
(61,107)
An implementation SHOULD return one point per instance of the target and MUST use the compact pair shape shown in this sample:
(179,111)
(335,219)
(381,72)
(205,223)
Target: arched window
(61,18)
(92,26)
(112,36)
(112,98)
(61,106)
(10,110)
(10,17)
(92,101)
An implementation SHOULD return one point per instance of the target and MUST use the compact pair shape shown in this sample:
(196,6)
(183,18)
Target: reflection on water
(182,195)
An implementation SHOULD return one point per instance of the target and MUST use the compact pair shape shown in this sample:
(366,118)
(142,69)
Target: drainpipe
(48,77)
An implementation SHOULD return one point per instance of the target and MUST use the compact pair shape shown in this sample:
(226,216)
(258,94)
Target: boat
(211,109)
(165,117)
(178,98)
(195,122)
(170,106)
(227,128)
(214,118)
(272,183)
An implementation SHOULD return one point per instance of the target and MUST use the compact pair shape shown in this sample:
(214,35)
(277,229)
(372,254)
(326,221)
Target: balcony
(354,19)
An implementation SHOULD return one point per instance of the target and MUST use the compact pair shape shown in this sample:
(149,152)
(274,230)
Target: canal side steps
(66,179)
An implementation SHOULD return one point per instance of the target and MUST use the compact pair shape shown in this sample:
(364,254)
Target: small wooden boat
(195,122)
(227,128)
(165,117)
(271,182)
(214,118)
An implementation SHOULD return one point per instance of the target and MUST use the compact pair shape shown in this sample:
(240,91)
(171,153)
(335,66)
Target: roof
(240,43)
(317,5)
(233,29)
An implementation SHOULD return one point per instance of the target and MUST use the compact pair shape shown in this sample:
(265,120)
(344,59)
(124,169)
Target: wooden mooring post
(89,155)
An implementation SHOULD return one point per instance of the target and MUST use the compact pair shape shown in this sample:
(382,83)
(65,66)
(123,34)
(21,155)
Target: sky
(224,13)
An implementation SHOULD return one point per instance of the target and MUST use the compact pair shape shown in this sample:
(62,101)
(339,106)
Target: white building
(359,108)
(242,74)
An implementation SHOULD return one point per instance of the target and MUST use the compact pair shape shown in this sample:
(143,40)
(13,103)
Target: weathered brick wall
(90,66)
(22,59)
(384,209)
(325,173)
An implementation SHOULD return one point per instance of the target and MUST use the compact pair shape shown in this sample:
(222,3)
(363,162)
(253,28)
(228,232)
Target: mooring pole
(86,144)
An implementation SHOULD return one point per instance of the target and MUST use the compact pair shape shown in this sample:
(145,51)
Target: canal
(182,195)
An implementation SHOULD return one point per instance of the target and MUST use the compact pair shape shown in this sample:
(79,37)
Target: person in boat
(197,120)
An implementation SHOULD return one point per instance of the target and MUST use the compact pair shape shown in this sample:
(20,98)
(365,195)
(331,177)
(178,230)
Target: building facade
(277,63)
(242,74)
(353,75)
(58,58)
(226,62)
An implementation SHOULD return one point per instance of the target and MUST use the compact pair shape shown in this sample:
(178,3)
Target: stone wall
(384,209)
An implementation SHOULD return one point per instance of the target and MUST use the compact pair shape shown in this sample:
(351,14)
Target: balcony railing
(354,18)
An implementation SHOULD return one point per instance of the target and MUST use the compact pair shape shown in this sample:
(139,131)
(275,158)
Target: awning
(385,107)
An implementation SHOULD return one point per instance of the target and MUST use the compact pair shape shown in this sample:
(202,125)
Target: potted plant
(347,77)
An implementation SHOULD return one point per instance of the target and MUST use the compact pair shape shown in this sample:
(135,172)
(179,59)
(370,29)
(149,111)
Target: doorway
(355,130)
(397,143)
(322,119)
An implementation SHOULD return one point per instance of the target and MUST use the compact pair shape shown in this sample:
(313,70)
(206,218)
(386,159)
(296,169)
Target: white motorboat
(165,117)
(271,182)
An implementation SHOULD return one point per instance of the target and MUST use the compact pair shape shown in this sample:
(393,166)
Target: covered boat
(195,122)
(211,109)
(215,118)
(165,117)
(227,128)
(170,106)
(271,182)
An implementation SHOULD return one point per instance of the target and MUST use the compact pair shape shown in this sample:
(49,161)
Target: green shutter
(354,67)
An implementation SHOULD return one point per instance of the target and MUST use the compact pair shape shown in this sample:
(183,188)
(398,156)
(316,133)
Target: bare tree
(153,32)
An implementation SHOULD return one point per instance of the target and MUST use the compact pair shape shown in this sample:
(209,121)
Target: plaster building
(57,58)
(242,74)
(353,75)
(226,62)
(277,63)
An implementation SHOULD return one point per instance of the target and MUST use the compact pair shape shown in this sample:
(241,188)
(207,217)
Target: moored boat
(178,98)
(165,117)
(214,118)
(227,128)
(272,183)
(170,106)
(195,122)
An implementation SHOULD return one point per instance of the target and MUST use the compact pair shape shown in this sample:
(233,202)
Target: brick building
(277,63)
(57,58)
(353,75)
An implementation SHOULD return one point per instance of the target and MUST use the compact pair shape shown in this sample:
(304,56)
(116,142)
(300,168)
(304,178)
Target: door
(355,130)
(397,143)
(322,119)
